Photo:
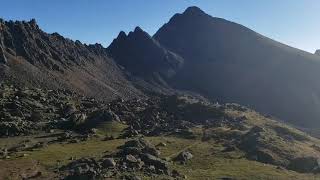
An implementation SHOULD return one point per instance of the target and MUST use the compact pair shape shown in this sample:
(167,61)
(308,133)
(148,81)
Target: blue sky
(294,22)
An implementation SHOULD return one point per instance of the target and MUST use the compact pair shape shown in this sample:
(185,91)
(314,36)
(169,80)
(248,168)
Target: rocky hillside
(228,62)
(49,134)
(317,52)
(31,57)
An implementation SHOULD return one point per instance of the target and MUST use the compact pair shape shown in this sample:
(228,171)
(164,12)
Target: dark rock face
(38,59)
(229,62)
(51,50)
(3,58)
(317,52)
(142,55)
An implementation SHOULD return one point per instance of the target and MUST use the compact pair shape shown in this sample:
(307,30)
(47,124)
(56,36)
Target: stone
(229,148)
(82,169)
(131,159)
(104,115)
(40,145)
(304,164)
(108,138)
(75,141)
(69,109)
(77,119)
(183,156)
(175,174)
(130,150)
(152,168)
(108,163)
(3,153)
(152,160)
(93,131)
(161,144)
(133,143)
(264,156)
(51,131)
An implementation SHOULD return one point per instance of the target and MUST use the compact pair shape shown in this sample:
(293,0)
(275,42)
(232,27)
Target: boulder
(261,155)
(305,164)
(183,157)
(3,153)
(69,109)
(133,143)
(161,144)
(156,162)
(131,159)
(229,148)
(130,150)
(108,163)
(85,168)
(77,119)
(104,115)
(138,146)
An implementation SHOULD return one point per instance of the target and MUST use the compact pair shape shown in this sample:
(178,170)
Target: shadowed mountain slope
(231,63)
(143,56)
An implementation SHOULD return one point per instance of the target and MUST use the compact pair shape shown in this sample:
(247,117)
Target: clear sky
(294,22)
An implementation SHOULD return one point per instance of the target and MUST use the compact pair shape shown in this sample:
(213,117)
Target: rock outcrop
(135,157)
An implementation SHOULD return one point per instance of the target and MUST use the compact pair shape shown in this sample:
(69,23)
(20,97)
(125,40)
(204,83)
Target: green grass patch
(111,128)
(210,162)
(59,154)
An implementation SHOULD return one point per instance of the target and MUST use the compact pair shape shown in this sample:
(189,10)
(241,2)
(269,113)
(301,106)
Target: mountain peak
(33,22)
(122,35)
(138,33)
(138,29)
(193,10)
(317,52)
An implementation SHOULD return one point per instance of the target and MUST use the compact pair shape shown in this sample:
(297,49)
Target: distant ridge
(31,57)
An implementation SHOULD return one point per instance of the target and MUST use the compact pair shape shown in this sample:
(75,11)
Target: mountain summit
(229,62)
